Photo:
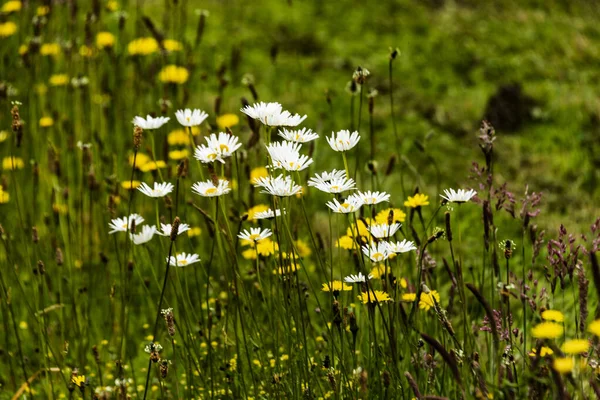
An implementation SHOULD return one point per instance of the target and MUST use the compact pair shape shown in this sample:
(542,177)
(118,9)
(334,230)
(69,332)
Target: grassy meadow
(423,222)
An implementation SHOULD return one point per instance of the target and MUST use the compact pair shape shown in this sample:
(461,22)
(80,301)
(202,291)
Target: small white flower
(278,186)
(208,188)
(369,197)
(188,117)
(207,154)
(149,122)
(351,204)
(286,155)
(159,190)
(272,114)
(381,231)
(343,140)
(166,229)
(401,247)
(225,143)
(377,252)
(120,224)
(458,196)
(332,182)
(255,234)
(267,214)
(299,136)
(183,259)
(144,236)
(82,145)
(357,278)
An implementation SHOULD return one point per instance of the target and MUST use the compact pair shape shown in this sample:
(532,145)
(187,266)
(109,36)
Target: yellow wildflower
(23,49)
(303,249)
(7,29)
(409,297)
(105,39)
(128,185)
(378,271)
(376,296)
(547,330)
(85,51)
(152,165)
(382,216)
(194,231)
(4,196)
(50,49)
(78,381)
(227,121)
(267,247)
(3,136)
(112,5)
(418,200)
(46,122)
(594,327)
(563,365)
(13,163)
(23,325)
(259,172)
(173,74)
(287,269)
(42,10)
(11,6)
(360,228)
(140,159)
(576,346)
(403,283)
(178,154)
(345,242)
(335,286)
(553,315)
(427,300)
(544,351)
(142,46)
(59,80)
(172,45)
(178,137)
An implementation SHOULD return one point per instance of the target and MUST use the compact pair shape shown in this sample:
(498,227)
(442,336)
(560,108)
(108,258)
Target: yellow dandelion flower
(345,242)
(544,351)
(594,327)
(140,159)
(376,296)
(173,74)
(178,137)
(563,365)
(409,297)
(194,231)
(256,209)
(23,325)
(303,249)
(142,46)
(50,49)
(13,163)
(11,6)
(129,185)
(553,315)
(7,29)
(172,45)
(547,330)
(23,49)
(267,247)
(4,196)
(382,216)
(336,286)
(576,346)
(42,10)
(403,283)
(360,228)
(287,269)
(46,122)
(105,39)
(427,300)
(249,254)
(178,154)
(227,121)
(59,80)
(260,172)
(418,200)
(78,381)
(152,166)
(112,5)
(378,271)
(3,136)
(85,51)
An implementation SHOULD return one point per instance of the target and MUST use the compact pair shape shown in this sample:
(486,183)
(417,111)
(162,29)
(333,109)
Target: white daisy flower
(369,197)
(272,114)
(351,204)
(255,234)
(286,155)
(401,247)
(183,259)
(299,136)
(149,122)
(144,236)
(166,229)
(458,196)
(225,143)
(159,190)
(120,224)
(207,154)
(208,188)
(267,214)
(357,278)
(343,140)
(278,186)
(377,252)
(333,182)
(188,117)
(381,231)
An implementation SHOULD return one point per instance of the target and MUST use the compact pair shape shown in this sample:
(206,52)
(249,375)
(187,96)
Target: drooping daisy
(360,278)
(188,117)
(225,144)
(209,189)
(278,186)
(183,259)
(343,140)
(268,214)
(272,114)
(149,122)
(377,252)
(458,196)
(369,197)
(287,155)
(144,236)
(166,229)
(336,184)
(159,190)
(120,224)
(401,247)
(381,231)
(255,234)
(299,136)
(351,204)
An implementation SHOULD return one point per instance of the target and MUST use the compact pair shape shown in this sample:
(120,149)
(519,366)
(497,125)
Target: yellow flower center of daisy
(211,190)
(212,156)
(224,147)
(346,205)
(335,187)
(377,256)
(187,119)
(182,262)
(254,236)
